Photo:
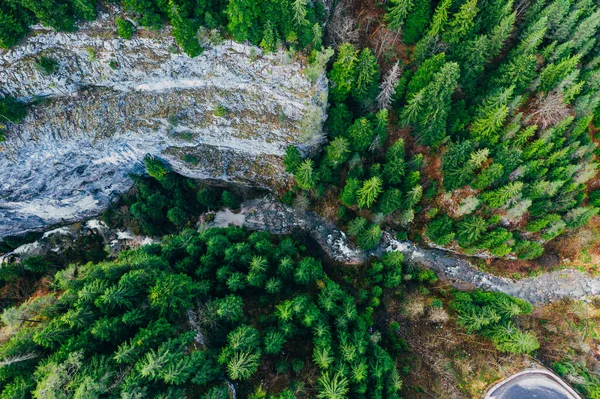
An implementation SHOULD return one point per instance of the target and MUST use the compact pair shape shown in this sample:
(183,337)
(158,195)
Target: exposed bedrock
(227,114)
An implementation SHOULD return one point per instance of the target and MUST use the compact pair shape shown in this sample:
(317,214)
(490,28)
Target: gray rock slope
(227,114)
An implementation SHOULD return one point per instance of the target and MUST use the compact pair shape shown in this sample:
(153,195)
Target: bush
(125,28)
(46,65)
(155,168)
(36,264)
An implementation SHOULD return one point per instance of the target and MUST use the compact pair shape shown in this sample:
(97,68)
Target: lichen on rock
(227,114)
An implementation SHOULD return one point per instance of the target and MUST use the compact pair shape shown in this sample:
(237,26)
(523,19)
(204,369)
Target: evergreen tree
(490,117)
(394,167)
(343,73)
(269,40)
(337,152)
(430,126)
(13,25)
(416,21)
(370,237)
(397,13)
(348,194)
(462,23)
(361,134)
(368,193)
(305,176)
(243,19)
(440,18)
(366,81)
(84,9)
(441,230)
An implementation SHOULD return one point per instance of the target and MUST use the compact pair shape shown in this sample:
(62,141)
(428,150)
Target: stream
(267,214)
(272,216)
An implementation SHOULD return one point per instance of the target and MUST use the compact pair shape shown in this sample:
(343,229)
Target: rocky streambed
(277,218)
(266,214)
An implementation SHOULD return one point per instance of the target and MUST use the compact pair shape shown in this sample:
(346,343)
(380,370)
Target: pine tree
(367,77)
(412,109)
(323,357)
(519,71)
(305,177)
(337,151)
(317,34)
(470,230)
(172,295)
(500,34)
(361,134)
(343,73)
(502,195)
(339,120)
(299,9)
(430,126)
(397,13)
(462,23)
(85,9)
(391,201)
(332,386)
(269,39)
(490,117)
(357,226)
(440,18)
(274,341)
(184,30)
(149,14)
(292,159)
(51,13)
(368,193)
(413,196)
(242,365)
(441,230)
(243,19)
(585,31)
(370,237)
(416,21)
(348,194)
(473,56)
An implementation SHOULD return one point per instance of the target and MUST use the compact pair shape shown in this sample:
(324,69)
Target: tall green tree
(343,73)
(366,82)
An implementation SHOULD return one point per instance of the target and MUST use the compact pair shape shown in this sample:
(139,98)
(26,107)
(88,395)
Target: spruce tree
(397,13)
(490,117)
(305,176)
(343,73)
(366,81)
(416,21)
(440,18)
(368,193)
(461,23)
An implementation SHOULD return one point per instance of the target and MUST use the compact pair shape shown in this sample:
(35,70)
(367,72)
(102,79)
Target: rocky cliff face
(227,114)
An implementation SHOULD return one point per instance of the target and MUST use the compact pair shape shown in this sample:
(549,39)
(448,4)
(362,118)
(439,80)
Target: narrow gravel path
(269,215)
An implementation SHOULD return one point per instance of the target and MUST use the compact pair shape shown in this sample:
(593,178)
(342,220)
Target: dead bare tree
(17,359)
(550,109)
(388,87)
(342,27)
(383,39)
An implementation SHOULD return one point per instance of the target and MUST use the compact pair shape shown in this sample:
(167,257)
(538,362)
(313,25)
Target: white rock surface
(112,101)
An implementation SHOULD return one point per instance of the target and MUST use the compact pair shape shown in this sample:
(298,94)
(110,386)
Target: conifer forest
(431,174)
